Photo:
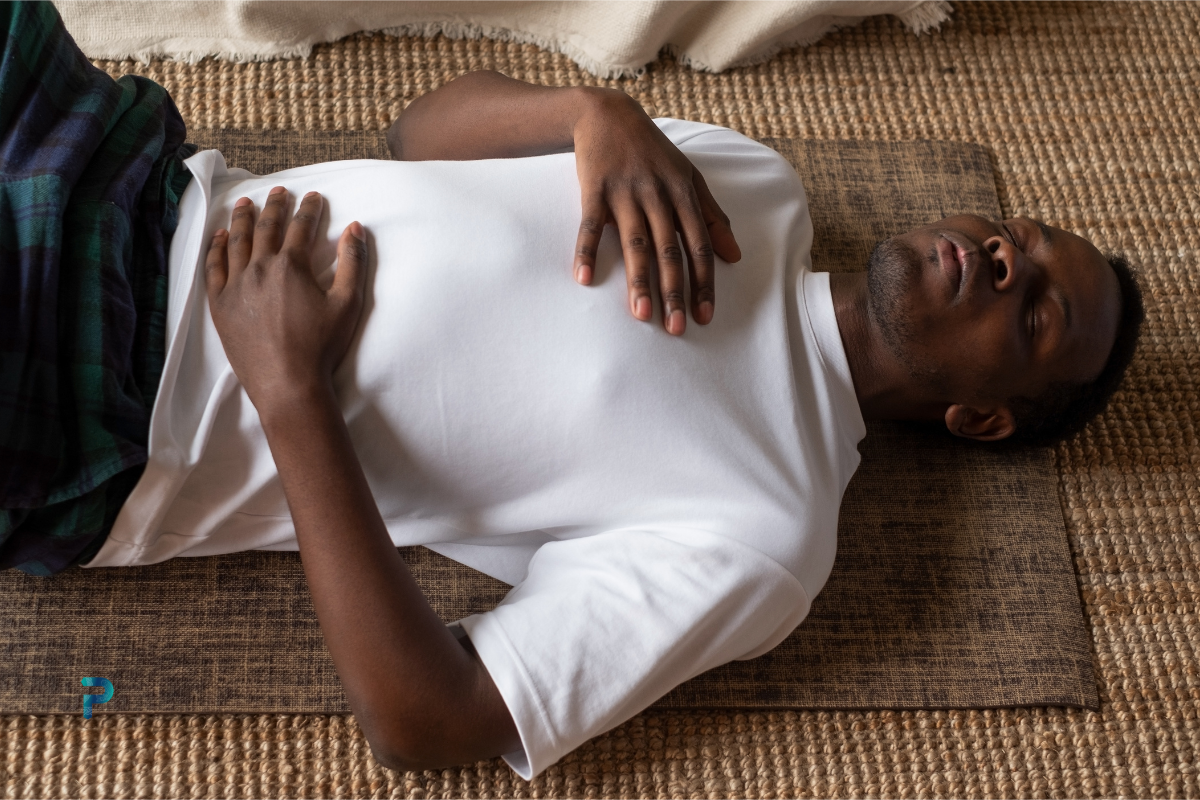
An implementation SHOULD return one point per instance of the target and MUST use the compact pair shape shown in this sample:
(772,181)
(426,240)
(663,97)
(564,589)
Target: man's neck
(884,387)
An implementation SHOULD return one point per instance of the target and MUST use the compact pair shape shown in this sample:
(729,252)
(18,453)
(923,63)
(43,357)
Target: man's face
(982,311)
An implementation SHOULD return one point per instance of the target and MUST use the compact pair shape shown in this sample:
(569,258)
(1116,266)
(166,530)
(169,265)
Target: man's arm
(630,173)
(422,699)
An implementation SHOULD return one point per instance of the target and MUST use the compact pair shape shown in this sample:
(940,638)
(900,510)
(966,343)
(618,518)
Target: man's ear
(984,426)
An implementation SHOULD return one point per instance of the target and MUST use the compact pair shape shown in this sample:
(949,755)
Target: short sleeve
(602,626)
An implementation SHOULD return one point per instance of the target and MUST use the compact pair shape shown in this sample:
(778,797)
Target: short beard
(891,270)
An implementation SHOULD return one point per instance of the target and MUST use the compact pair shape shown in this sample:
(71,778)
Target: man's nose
(1009,265)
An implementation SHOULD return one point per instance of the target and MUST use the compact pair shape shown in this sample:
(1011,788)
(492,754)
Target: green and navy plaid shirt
(90,179)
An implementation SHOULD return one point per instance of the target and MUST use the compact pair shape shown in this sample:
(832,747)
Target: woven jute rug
(953,585)
(1089,112)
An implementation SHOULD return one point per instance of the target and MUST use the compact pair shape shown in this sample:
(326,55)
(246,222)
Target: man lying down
(362,355)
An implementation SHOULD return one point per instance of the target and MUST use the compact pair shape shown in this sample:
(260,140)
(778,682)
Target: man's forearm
(488,115)
(630,174)
(421,698)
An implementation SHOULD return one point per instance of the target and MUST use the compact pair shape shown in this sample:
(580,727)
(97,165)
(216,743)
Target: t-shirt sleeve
(602,626)
(700,137)
(681,130)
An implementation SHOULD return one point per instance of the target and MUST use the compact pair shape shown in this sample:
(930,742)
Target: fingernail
(242,201)
(641,308)
(220,232)
(706,312)
(356,230)
(675,322)
(310,194)
(277,190)
(583,273)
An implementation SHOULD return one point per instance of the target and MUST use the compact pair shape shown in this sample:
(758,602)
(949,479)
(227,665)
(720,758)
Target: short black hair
(1064,409)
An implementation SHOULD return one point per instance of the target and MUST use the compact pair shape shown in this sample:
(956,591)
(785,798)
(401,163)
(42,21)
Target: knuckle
(592,225)
(682,188)
(670,253)
(639,282)
(629,182)
(702,251)
(267,222)
(658,189)
(585,251)
(637,242)
(672,298)
(705,292)
(656,194)
(306,216)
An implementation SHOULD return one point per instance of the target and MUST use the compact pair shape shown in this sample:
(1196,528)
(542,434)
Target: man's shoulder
(687,134)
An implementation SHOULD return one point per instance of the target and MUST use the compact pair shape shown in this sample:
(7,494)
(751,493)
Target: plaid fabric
(90,178)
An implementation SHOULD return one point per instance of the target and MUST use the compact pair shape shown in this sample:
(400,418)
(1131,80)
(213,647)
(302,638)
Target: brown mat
(953,585)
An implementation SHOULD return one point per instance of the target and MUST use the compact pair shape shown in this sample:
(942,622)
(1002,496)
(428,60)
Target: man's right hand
(630,174)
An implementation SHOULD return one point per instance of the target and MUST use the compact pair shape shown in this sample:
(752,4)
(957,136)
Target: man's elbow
(398,764)
(401,759)
(441,730)
(395,751)
(395,141)
(428,750)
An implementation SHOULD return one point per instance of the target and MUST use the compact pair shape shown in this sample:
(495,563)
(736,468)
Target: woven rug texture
(1090,111)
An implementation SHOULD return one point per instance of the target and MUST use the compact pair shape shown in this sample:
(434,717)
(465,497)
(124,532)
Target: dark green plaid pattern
(90,178)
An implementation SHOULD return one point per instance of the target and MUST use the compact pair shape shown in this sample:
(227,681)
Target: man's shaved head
(1010,324)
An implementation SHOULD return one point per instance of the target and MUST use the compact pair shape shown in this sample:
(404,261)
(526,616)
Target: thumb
(719,231)
(350,280)
(216,265)
(721,236)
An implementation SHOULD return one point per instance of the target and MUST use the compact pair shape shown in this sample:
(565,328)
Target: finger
(241,235)
(350,280)
(670,264)
(699,255)
(591,228)
(216,270)
(303,231)
(268,231)
(635,246)
(719,231)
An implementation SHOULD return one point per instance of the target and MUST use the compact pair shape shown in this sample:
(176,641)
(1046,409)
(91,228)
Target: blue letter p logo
(89,699)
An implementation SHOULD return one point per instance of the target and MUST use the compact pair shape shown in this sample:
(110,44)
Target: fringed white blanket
(605,37)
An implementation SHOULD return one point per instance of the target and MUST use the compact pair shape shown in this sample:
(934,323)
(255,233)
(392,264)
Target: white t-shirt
(662,504)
